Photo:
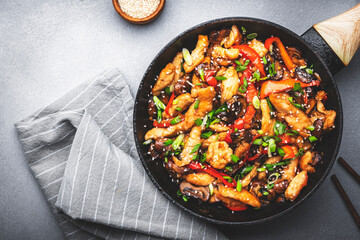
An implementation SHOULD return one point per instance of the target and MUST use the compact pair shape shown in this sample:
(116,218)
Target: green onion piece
(311,128)
(260,132)
(275,176)
(241,68)
(178,193)
(246,62)
(178,141)
(257,141)
(203,158)
(178,109)
(238,185)
(312,139)
(242,89)
(295,104)
(166,159)
(198,122)
(272,147)
(229,168)
(261,169)
(265,144)
(176,101)
(223,108)
(175,120)
(159,104)
(217,137)
(159,116)
(196,147)
(256,75)
(185,198)
(251,36)
(194,157)
(300,152)
(264,78)
(279,128)
(229,179)
(215,121)
(147,142)
(168,142)
(243,30)
(297,88)
(187,56)
(238,62)
(211,189)
(220,78)
(265,193)
(272,69)
(203,124)
(198,84)
(310,71)
(247,169)
(196,105)
(281,152)
(269,104)
(234,158)
(264,60)
(256,102)
(206,134)
(292,132)
(169,89)
(201,73)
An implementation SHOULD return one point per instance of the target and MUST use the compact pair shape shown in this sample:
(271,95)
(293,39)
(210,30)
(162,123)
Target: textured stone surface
(48,47)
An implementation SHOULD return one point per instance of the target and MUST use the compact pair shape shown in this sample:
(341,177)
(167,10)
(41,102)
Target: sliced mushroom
(280,185)
(190,190)
(295,55)
(302,75)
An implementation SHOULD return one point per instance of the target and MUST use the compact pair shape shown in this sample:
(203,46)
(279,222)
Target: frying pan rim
(339,114)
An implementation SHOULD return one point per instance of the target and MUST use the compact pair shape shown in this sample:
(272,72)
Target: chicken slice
(296,118)
(305,162)
(247,179)
(177,64)
(191,142)
(165,79)
(225,53)
(242,149)
(213,138)
(205,97)
(198,53)
(200,179)
(219,128)
(233,38)
(230,85)
(259,47)
(289,171)
(295,186)
(243,196)
(183,101)
(330,115)
(219,154)
(267,123)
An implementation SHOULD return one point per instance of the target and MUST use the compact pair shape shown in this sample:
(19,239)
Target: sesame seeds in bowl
(139,11)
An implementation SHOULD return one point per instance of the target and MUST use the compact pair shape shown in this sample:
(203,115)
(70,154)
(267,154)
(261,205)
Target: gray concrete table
(49,47)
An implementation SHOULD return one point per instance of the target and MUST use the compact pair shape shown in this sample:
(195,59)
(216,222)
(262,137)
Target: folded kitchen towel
(82,153)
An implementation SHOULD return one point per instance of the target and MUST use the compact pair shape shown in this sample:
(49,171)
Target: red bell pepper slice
(284,54)
(213,172)
(252,55)
(289,152)
(239,124)
(210,79)
(285,139)
(270,87)
(228,136)
(237,208)
(249,115)
(256,156)
(170,103)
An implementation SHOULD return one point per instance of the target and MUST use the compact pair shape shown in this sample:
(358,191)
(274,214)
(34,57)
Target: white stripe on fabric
(49,199)
(115,185)
(128,190)
(88,177)
(101,183)
(43,158)
(177,225)
(120,126)
(90,84)
(127,135)
(97,95)
(152,211)
(204,235)
(114,114)
(141,196)
(108,236)
(63,222)
(37,148)
(50,130)
(48,116)
(191,227)
(136,236)
(49,184)
(109,102)
(164,223)
(68,235)
(77,164)
(216,234)
(50,169)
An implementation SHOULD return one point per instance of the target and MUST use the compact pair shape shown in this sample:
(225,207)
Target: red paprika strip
(270,87)
(284,54)
(237,208)
(210,79)
(289,152)
(252,55)
(170,103)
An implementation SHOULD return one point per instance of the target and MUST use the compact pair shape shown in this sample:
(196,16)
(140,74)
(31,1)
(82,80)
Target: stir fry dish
(235,120)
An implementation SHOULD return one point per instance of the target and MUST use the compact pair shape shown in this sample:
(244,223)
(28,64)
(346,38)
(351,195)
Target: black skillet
(314,49)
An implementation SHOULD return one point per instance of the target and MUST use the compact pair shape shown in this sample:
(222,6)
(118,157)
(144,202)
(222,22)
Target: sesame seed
(139,8)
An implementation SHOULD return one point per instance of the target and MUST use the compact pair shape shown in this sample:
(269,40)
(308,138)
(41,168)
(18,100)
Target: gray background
(48,47)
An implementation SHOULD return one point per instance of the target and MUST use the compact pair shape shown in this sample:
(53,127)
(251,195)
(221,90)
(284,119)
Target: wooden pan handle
(342,33)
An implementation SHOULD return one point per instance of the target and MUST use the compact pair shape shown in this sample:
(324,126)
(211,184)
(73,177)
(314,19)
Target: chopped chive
(196,105)
(176,101)
(256,102)
(241,68)
(147,142)
(311,128)
(272,147)
(246,62)
(269,186)
(238,185)
(185,198)
(223,108)
(298,88)
(297,105)
(198,84)
(261,169)
(260,132)
(292,132)
(211,189)
(206,134)
(220,78)
(215,121)
(229,179)
(159,104)
(194,157)
(269,104)
(265,193)
(310,71)
(178,109)
(256,75)
(312,139)
(196,147)
(178,141)
(243,30)
(175,120)
(168,142)
(264,60)
(201,73)
(279,128)
(272,69)
(187,56)
(159,115)
(238,62)
(198,122)
(281,152)
(251,36)
(257,141)
(229,168)
(234,158)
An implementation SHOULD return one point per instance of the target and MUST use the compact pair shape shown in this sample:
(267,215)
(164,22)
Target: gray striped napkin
(81,151)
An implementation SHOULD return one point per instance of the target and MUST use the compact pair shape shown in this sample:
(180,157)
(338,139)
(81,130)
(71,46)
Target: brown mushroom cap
(188,189)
